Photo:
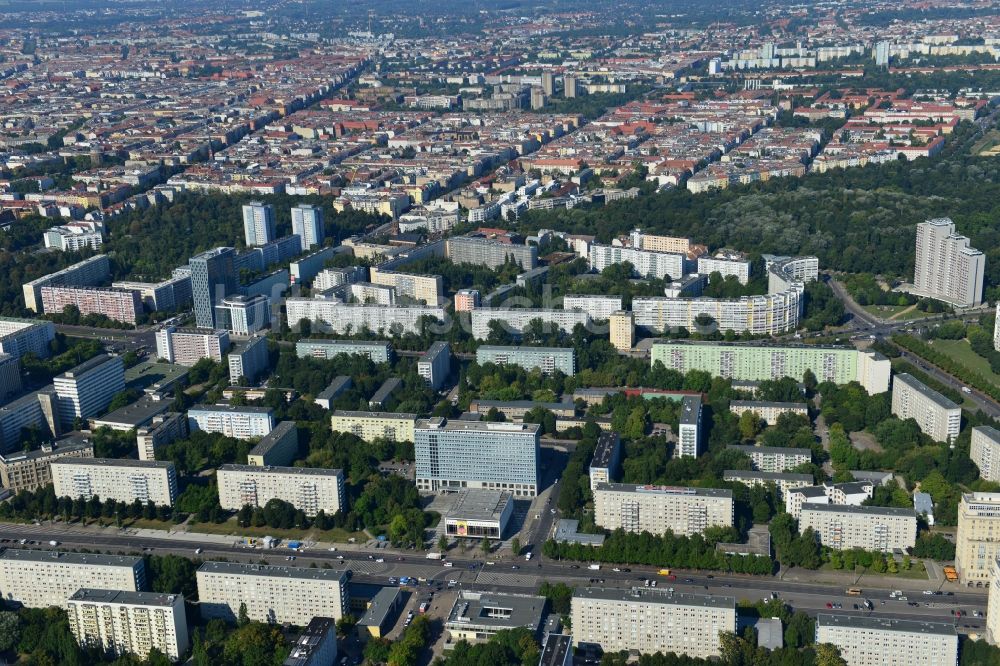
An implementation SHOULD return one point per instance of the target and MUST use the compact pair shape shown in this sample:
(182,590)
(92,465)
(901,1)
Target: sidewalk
(934,581)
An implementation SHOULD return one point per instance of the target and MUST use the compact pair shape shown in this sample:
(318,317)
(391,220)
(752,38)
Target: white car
(380,560)
(928,592)
(447,564)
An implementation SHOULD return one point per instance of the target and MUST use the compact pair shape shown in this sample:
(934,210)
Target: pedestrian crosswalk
(507,579)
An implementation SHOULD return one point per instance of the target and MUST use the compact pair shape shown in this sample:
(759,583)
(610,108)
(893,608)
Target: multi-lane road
(505,574)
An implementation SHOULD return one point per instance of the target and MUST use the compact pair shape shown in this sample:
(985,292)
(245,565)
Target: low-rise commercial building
(651,620)
(977,541)
(31,470)
(369,426)
(479,514)
(119,479)
(43,578)
(773,458)
(547,359)
(476,616)
(245,422)
(377,352)
(272,594)
(768,411)
(307,488)
(657,509)
(985,452)
(119,622)
(876,528)
(881,641)
(938,417)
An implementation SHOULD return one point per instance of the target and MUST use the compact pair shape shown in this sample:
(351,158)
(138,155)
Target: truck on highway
(434,556)
(53,543)
(594,567)
(664,572)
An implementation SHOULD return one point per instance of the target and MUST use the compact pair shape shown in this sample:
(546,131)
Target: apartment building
(651,620)
(248,360)
(331,278)
(232,421)
(985,452)
(307,224)
(938,417)
(547,359)
(243,315)
(426,288)
(451,455)
(490,253)
(10,377)
(516,320)
(258,224)
(435,364)
(31,470)
(117,304)
(272,594)
(276,448)
(993,604)
(977,541)
(606,461)
(765,314)
(73,238)
(881,641)
(653,243)
(768,411)
(647,264)
(187,346)
(342,318)
(119,479)
(87,273)
(947,267)
(597,307)
(369,426)
(21,336)
(784,482)
(726,263)
(336,387)
(877,528)
(377,352)
(174,293)
(162,430)
(466,300)
(307,488)
(213,277)
(689,444)
(622,330)
(853,493)
(773,458)
(757,362)
(317,644)
(119,622)
(656,509)
(43,578)
(87,389)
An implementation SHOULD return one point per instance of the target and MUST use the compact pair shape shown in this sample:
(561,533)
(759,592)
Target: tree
(828,655)
(484,545)
(515,546)
(749,424)
(242,619)
(10,630)
(443,542)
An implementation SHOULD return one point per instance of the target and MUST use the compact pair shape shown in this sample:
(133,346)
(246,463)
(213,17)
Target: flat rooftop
(766,404)
(770,450)
(234,409)
(665,490)
(155,376)
(607,443)
(690,410)
(861,510)
(60,557)
(766,476)
(357,414)
(339,384)
(475,504)
(271,439)
(477,426)
(496,611)
(382,604)
(343,343)
(275,469)
(115,462)
(90,595)
(885,624)
(86,366)
(60,447)
(310,640)
(925,391)
(757,344)
(303,573)
(555,649)
(655,596)
(138,413)
(517,349)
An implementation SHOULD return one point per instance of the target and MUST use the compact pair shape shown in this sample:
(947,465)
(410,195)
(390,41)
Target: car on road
(514,566)
(197,551)
(829,605)
(380,560)
(447,564)
(617,570)
(928,591)
(574,566)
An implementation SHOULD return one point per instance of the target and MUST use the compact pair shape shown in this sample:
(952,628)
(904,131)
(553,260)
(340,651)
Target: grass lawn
(915,572)
(884,311)
(961,351)
(230,528)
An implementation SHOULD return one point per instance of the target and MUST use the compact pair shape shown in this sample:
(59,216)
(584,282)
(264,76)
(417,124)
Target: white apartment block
(426,288)
(767,314)
(173,293)
(335,277)
(369,426)
(660,265)
(435,365)
(875,528)
(985,452)
(947,267)
(43,578)
(785,483)
(310,489)
(993,604)
(20,336)
(355,317)
(853,493)
(120,479)
(725,263)
(689,428)
(368,293)
(187,346)
(272,594)
(650,620)
(243,315)
(87,389)
(774,458)
(516,320)
(768,411)
(977,541)
(878,641)
(656,509)
(231,420)
(598,307)
(307,224)
(118,623)
(938,417)
(74,237)
(258,223)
